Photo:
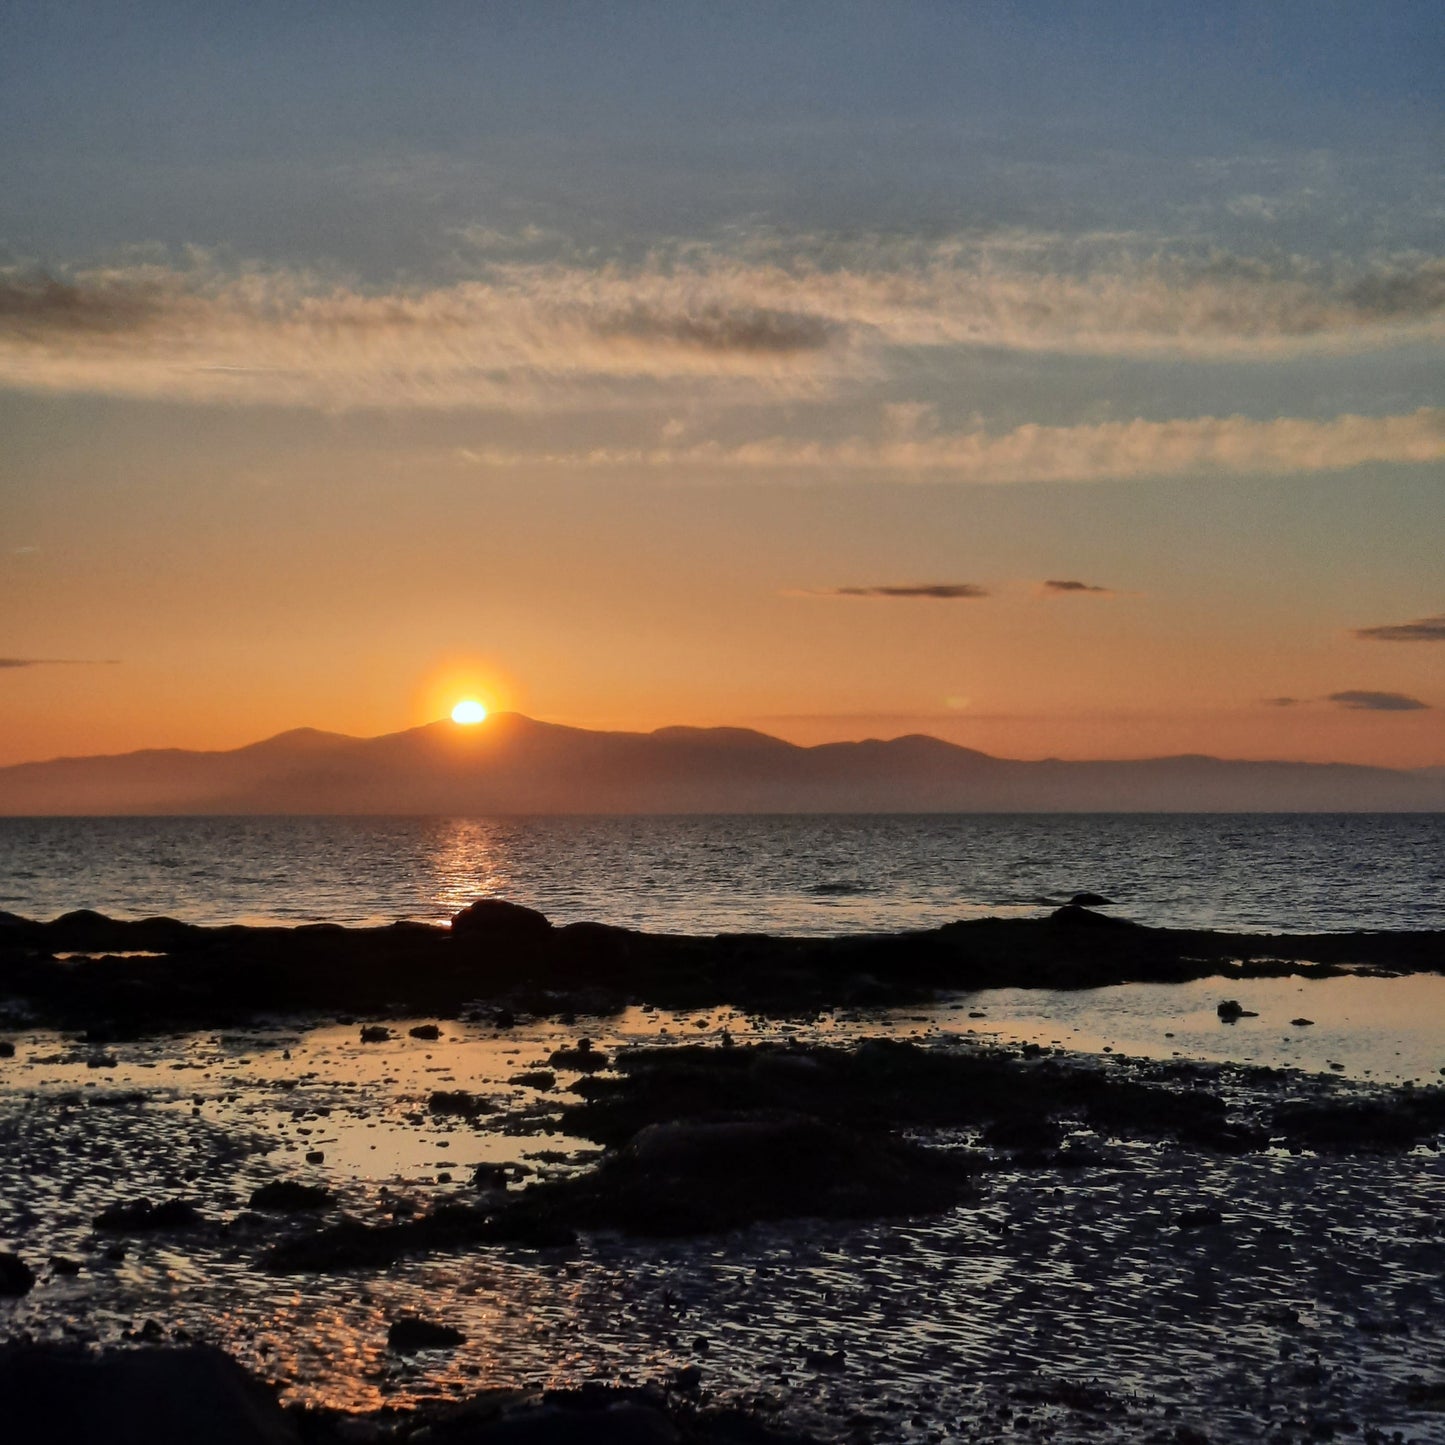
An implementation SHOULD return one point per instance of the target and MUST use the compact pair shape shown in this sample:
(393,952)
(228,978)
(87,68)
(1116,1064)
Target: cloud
(1423,629)
(1281,702)
(1378,701)
(9,662)
(1104,451)
(796,318)
(1053,588)
(938,591)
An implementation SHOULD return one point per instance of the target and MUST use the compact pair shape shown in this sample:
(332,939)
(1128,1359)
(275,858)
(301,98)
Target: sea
(800,875)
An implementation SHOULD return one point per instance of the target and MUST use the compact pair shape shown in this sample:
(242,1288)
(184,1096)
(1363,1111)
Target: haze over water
(798,875)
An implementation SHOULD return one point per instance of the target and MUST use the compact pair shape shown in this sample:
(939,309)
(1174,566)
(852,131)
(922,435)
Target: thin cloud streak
(933,591)
(1102,451)
(13,662)
(1362,701)
(776,326)
(1423,629)
(1070,588)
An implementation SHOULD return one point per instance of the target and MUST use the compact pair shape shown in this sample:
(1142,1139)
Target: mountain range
(513,764)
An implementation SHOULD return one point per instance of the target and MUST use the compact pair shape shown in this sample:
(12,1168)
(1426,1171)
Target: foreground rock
(706,1139)
(16,1277)
(62,1395)
(65,1396)
(509,957)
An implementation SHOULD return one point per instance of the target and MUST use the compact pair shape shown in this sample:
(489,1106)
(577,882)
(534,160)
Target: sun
(468,713)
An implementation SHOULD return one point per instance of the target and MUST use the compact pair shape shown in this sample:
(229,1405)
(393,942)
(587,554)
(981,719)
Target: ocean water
(799,875)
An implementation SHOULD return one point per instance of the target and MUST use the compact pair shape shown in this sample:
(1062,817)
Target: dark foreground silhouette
(117,979)
(169,1396)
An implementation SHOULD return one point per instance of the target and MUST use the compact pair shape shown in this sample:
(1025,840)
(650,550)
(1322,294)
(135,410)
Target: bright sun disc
(468,713)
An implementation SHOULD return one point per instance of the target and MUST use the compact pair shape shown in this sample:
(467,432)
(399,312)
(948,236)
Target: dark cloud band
(1422,629)
(937,591)
(1362,701)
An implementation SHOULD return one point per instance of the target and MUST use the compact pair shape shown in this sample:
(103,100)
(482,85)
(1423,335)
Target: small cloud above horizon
(1364,701)
(1056,587)
(935,591)
(11,662)
(1422,629)
(1281,701)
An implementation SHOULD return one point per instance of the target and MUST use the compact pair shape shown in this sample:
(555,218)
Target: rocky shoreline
(119,978)
(679,1223)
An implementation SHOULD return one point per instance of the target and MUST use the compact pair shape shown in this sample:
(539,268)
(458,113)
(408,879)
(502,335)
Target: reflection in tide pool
(958,1323)
(1391,1030)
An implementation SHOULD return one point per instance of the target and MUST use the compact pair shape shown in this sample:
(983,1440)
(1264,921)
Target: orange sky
(629,375)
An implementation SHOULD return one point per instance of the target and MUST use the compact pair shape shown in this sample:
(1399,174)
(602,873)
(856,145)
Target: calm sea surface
(802,875)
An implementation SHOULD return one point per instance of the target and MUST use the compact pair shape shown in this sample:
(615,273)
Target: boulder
(16,1277)
(158,1396)
(139,1216)
(495,921)
(409,1334)
(287,1196)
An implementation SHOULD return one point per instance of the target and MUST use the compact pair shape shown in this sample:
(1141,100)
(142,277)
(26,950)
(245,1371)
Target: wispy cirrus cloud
(896,591)
(1364,701)
(788,321)
(12,662)
(1422,629)
(1092,452)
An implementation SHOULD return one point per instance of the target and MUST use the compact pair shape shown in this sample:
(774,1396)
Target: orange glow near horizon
(462,682)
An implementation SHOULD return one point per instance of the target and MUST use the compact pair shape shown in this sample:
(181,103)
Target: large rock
(495,921)
(16,1277)
(64,1396)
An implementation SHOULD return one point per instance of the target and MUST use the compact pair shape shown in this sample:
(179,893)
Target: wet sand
(1058,1299)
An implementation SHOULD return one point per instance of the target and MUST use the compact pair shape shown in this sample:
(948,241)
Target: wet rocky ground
(1018,1243)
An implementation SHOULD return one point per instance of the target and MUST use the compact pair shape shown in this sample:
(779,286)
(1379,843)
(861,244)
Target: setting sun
(468,713)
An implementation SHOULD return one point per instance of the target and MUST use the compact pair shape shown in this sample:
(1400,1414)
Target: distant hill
(513,764)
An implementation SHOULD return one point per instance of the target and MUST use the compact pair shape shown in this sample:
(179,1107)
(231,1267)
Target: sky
(1058,380)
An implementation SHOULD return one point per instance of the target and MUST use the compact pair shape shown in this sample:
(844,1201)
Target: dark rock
(1231,1009)
(16,1277)
(425,1031)
(504,1018)
(495,921)
(163,1396)
(1076,917)
(375,1034)
(61,1265)
(535,1079)
(409,1334)
(584,1059)
(1302,1023)
(7,1049)
(458,1104)
(490,1176)
(140,1216)
(1090,900)
(1366,1125)
(1025,1132)
(595,1423)
(315,1156)
(287,1196)
(1198,1218)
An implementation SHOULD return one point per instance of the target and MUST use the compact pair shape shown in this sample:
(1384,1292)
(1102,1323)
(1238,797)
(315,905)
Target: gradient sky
(747,364)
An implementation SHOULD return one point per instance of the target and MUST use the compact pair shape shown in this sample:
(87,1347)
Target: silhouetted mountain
(513,764)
